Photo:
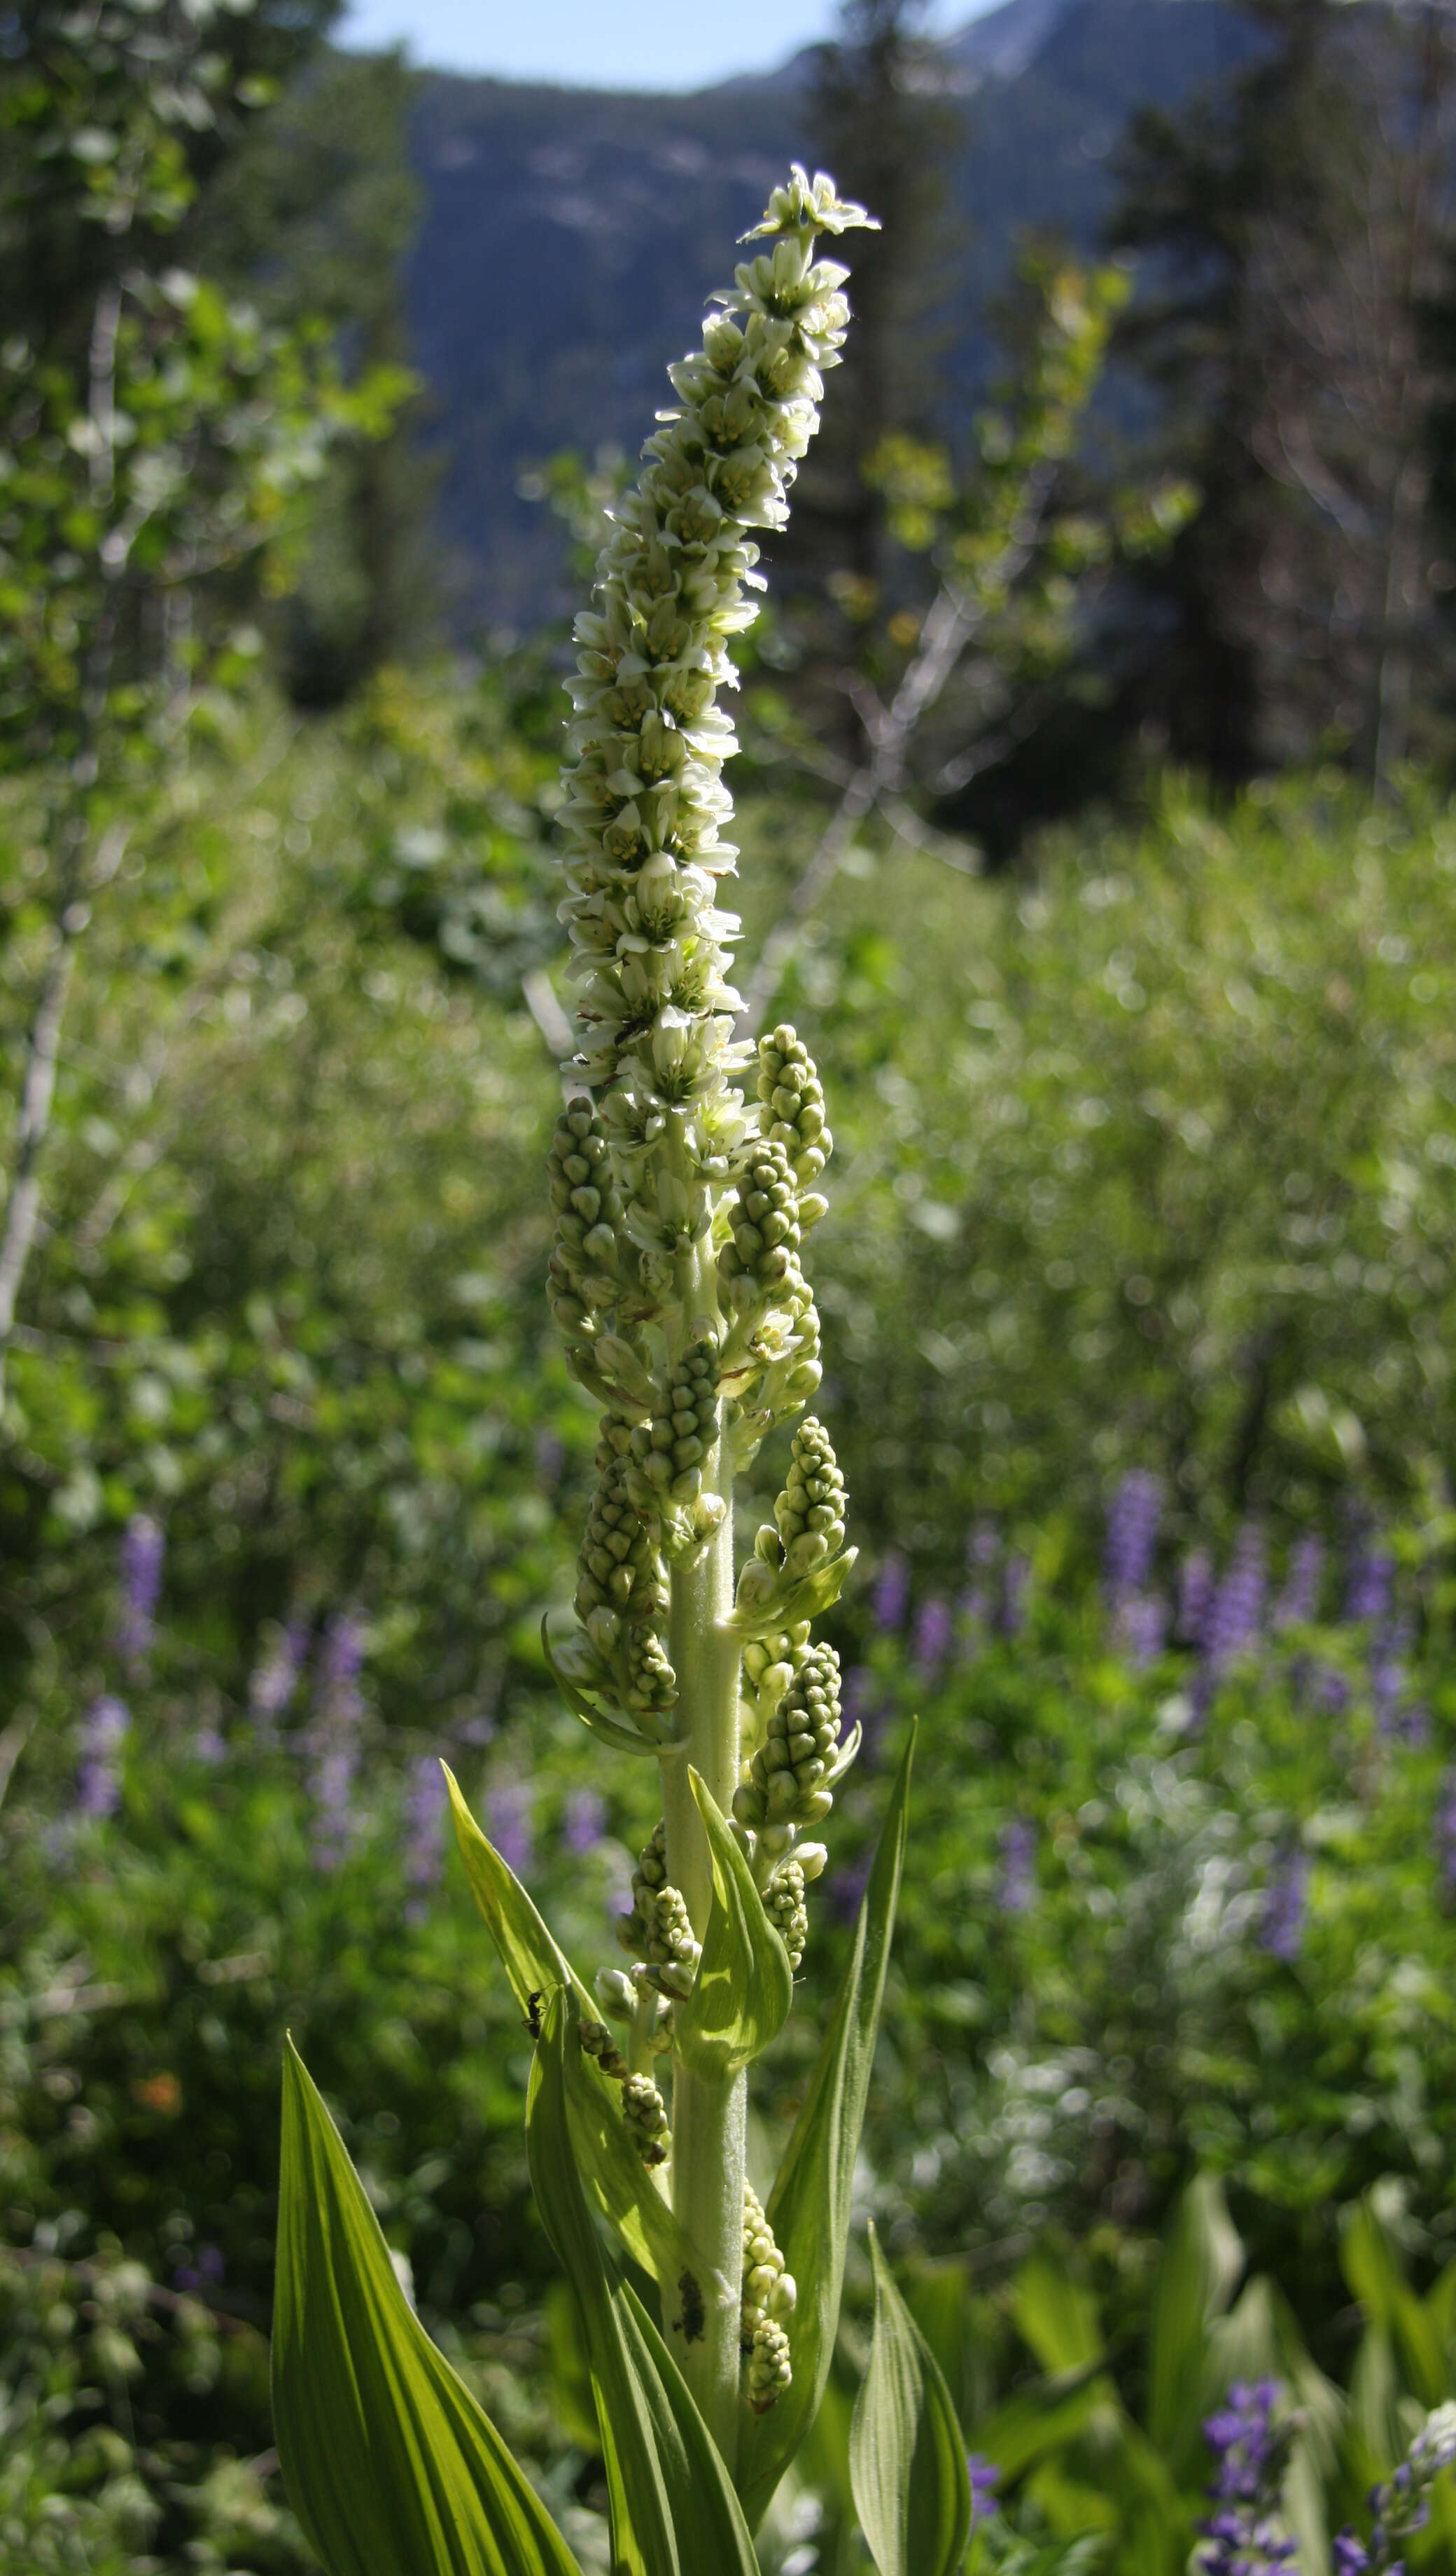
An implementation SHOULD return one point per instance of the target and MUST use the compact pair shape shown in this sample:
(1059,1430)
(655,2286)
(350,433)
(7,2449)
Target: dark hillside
(570,237)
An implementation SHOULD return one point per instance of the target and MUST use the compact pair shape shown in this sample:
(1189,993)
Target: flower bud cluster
(648,1879)
(643,1181)
(645,2113)
(585,1273)
(787,1775)
(766,2288)
(672,1954)
(770,2366)
(792,1114)
(784,1905)
(669,1449)
(809,1513)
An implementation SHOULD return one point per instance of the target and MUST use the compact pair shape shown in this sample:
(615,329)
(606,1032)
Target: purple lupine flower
(508,1812)
(550,1458)
(143,1549)
(1234,1615)
(985,2478)
(1285,1898)
(1444,1833)
(339,1698)
(1369,1579)
(1015,1583)
(274,1681)
(1132,1533)
(331,1785)
(333,1738)
(890,1598)
(209,1745)
(934,1633)
(1389,1679)
(1244,2535)
(1298,1603)
(1330,1690)
(104,1730)
(1140,1628)
(1015,1888)
(424,1810)
(583,1821)
(977,1603)
(844,1891)
(1195,1595)
(207,2273)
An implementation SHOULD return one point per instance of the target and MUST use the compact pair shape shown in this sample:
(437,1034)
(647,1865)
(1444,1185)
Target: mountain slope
(571,236)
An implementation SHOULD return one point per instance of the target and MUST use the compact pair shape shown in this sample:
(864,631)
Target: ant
(533,2012)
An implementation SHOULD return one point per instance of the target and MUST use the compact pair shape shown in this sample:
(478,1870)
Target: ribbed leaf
(744,1986)
(1197,2277)
(810,2204)
(390,2465)
(673,2509)
(907,2455)
(616,2180)
(1373,2270)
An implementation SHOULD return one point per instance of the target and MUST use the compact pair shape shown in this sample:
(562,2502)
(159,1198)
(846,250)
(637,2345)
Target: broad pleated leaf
(616,2180)
(1197,2277)
(673,2509)
(907,2455)
(390,2465)
(810,2204)
(744,1985)
(1373,2270)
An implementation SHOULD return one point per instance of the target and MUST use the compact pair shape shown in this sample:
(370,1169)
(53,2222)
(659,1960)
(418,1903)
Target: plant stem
(708,2118)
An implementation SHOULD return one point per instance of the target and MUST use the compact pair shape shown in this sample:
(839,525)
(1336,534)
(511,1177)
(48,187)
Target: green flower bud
(770,2368)
(671,1952)
(792,1113)
(784,1905)
(616,1994)
(598,2042)
(669,1448)
(645,2113)
(784,1784)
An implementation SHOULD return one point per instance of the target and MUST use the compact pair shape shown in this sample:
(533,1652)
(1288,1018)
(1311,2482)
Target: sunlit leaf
(390,2465)
(810,2204)
(613,2173)
(907,2455)
(673,2509)
(744,1986)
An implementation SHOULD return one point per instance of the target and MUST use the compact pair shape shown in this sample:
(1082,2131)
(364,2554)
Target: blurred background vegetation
(1095,804)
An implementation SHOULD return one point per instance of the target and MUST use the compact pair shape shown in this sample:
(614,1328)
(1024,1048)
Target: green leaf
(1039,2422)
(809,1598)
(1373,2270)
(1056,2315)
(810,2203)
(390,2465)
(744,1986)
(614,2175)
(907,2455)
(609,1730)
(673,2509)
(1197,2277)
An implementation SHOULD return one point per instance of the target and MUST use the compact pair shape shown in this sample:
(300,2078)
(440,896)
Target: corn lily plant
(684,1172)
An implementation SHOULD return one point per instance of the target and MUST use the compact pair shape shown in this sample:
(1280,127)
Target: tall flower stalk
(682,1208)
(685,1172)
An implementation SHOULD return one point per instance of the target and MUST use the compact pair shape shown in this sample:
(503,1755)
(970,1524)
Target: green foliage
(907,2459)
(395,2467)
(1154,1148)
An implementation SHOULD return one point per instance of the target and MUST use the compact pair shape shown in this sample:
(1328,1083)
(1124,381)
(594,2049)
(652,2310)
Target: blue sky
(607,44)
